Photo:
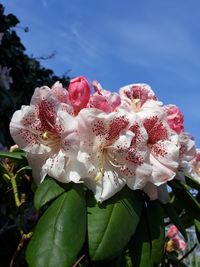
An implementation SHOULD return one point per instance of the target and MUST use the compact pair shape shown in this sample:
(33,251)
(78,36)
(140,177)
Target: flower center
(99,175)
(45,136)
(52,139)
(136,105)
(105,156)
(102,159)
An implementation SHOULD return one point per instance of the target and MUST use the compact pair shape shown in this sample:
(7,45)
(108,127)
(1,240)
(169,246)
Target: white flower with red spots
(109,152)
(162,141)
(135,95)
(105,140)
(48,133)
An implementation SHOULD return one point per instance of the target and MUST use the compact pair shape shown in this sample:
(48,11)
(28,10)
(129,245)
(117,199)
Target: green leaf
(12,155)
(197,228)
(46,191)
(187,218)
(191,182)
(112,223)
(60,232)
(189,202)
(157,230)
(174,217)
(140,244)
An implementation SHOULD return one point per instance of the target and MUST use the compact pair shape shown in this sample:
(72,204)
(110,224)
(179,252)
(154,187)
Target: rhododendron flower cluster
(103,139)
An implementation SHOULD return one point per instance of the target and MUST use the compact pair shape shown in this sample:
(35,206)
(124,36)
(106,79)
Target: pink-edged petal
(139,91)
(175,118)
(103,99)
(40,93)
(60,93)
(97,87)
(100,102)
(115,100)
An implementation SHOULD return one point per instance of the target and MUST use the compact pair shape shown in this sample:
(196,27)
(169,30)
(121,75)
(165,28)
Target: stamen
(99,175)
(136,105)
(45,135)
(50,138)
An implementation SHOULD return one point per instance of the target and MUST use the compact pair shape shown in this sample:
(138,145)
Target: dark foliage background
(26,71)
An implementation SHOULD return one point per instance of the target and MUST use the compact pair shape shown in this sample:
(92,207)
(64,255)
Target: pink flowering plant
(102,164)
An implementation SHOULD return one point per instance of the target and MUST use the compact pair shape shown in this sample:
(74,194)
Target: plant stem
(15,190)
(78,261)
(20,246)
(184,256)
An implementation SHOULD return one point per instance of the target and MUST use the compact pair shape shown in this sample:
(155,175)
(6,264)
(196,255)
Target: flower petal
(107,186)
(25,130)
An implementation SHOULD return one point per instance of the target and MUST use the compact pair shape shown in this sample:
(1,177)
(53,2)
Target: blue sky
(121,42)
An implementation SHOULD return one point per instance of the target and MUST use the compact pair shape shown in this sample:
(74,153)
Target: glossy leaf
(46,191)
(157,231)
(140,245)
(174,217)
(189,202)
(187,219)
(191,182)
(60,232)
(12,155)
(112,223)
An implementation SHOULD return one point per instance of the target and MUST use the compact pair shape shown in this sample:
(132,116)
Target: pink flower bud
(172,231)
(79,93)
